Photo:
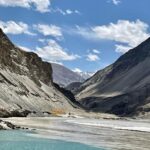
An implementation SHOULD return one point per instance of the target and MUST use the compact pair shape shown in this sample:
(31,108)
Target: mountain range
(29,86)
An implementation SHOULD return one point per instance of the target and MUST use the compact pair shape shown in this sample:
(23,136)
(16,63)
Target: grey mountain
(64,76)
(122,88)
(26,84)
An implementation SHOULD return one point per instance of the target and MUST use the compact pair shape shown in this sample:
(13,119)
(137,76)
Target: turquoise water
(18,140)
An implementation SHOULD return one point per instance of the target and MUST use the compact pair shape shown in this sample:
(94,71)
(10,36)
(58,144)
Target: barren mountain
(26,84)
(64,76)
(73,86)
(122,88)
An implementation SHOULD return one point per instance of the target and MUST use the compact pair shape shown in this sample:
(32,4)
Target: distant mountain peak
(85,75)
(64,76)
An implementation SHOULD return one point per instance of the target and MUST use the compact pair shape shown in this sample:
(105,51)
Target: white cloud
(126,32)
(40,5)
(122,48)
(59,11)
(65,12)
(47,30)
(92,57)
(25,48)
(96,51)
(68,11)
(42,40)
(77,12)
(54,52)
(30,50)
(57,62)
(12,27)
(116,2)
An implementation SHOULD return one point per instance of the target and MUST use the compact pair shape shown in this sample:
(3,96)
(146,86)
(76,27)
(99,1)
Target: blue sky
(83,35)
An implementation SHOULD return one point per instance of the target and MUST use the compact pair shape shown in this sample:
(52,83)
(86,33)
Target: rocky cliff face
(23,63)
(26,83)
(121,88)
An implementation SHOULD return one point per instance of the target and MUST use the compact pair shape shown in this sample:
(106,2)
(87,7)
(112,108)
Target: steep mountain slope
(26,83)
(64,76)
(122,88)
(73,86)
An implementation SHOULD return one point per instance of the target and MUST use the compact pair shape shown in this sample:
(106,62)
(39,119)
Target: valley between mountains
(27,87)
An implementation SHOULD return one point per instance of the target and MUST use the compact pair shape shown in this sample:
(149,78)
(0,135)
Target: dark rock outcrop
(4,125)
(15,59)
(73,87)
